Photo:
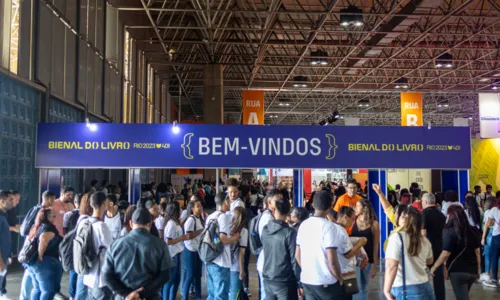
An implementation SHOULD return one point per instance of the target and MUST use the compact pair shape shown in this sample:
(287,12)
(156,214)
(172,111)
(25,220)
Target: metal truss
(265,44)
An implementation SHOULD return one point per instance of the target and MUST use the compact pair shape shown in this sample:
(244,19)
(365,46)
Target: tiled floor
(478,291)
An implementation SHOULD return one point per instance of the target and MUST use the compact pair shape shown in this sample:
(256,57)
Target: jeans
(438,281)
(461,284)
(217,282)
(414,292)
(321,292)
(262,287)
(26,285)
(235,286)
(81,289)
(363,278)
(487,252)
(191,265)
(73,279)
(495,254)
(170,288)
(281,290)
(46,275)
(245,264)
(3,283)
(103,293)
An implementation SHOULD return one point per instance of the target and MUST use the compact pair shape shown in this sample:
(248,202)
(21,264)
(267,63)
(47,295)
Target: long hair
(85,208)
(473,210)
(490,202)
(368,212)
(172,212)
(128,216)
(239,220)
(457,219)
(405,199)
(42,217)
(400,209)
(413,227)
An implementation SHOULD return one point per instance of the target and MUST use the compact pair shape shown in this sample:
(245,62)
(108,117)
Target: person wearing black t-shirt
(461,253)
(433,223)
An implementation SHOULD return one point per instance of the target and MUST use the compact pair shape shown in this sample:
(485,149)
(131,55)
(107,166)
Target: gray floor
(478,291)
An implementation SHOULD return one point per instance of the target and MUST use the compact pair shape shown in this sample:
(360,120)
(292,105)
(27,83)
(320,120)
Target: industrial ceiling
(266,44)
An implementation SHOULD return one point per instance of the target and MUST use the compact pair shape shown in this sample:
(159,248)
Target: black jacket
(137,260)
(279,241)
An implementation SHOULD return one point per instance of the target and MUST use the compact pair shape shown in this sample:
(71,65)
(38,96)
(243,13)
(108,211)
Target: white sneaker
(491,283)
(5,297)
(484,277)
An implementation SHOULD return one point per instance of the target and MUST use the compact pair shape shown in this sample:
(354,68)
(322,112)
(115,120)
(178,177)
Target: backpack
(84,253)
(254,237)
(73,220)
(66,250)
(210,245)
(29,252)
(29,221)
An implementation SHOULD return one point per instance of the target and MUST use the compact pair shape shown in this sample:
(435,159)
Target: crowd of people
(164,244)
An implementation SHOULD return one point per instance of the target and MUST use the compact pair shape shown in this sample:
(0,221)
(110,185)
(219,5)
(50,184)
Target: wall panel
(71,66)
(82,73)
(44,54)
(90,79)
(18,118)
(58,63)
(98,79)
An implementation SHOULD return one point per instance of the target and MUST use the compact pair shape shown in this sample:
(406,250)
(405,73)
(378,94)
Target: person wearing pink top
(62,206)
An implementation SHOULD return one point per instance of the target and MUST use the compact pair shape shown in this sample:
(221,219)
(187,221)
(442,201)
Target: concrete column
(213,102)
(213,97)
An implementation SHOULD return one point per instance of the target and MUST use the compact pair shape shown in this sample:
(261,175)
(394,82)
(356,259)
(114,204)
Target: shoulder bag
(403,295)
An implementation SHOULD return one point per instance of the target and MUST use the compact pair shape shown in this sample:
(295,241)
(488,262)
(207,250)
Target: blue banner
(109,145)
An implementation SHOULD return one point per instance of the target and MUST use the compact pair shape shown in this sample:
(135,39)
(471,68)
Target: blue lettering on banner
(109,145)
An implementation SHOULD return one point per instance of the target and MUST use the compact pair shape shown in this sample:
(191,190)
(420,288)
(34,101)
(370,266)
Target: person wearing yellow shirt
(391,213)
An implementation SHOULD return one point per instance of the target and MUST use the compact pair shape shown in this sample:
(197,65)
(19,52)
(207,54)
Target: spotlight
(90,126)
(402,83)
(364,103)
(300,81)
(445,60)
(352,15)
(322,123)
(443,103)
(175,128)
(319,57)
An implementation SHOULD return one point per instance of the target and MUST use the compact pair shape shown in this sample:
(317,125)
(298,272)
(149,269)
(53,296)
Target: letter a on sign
(253,107)
(411,109)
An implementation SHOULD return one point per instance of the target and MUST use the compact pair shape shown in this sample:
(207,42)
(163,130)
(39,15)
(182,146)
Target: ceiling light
(287,104)
(296,85)
(364,103)
(496,75)
(175,128)
(281,104)
(319,57)
(484,79)
(402,83)
(304,85)
(300,81)
(494,88)
(322,123)
(470,118)
(351,15)
(444,60)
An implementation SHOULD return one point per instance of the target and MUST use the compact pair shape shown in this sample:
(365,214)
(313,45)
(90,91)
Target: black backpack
(29,252)
(66,250)
(29,221)
(84,253)
(254,237)
(210,245)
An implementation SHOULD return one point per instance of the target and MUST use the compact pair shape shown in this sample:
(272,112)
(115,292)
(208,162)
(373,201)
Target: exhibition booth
(147,146)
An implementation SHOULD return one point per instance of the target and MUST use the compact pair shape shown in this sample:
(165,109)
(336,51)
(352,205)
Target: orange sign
(411,109)
(253,107)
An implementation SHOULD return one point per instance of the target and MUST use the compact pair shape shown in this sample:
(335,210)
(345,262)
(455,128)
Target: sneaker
(60,296)
(247,291)
(491,283)
(5,297)
(484,277)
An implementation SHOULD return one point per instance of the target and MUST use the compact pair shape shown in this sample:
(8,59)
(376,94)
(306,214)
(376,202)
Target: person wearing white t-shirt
(191,262)
(317,243)
(112,217)
(267,216)
(102,238)
(218,270)
(489,204)
(493,221)
(347,252)
(234,197)
(238,224)
(415,249)
(174,237)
